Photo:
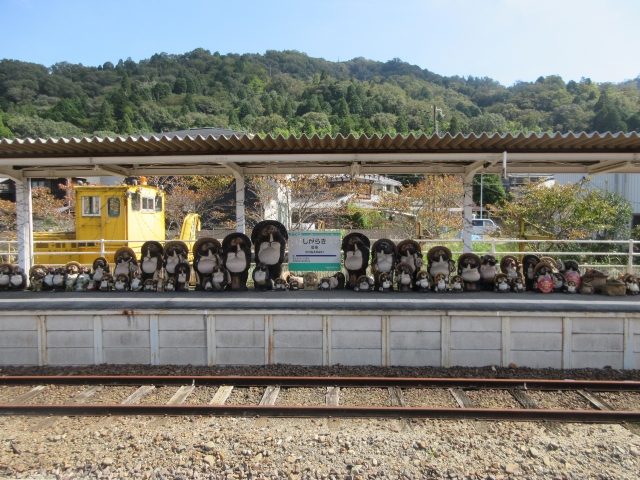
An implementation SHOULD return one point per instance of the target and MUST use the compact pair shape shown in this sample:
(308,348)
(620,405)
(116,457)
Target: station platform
(320,328)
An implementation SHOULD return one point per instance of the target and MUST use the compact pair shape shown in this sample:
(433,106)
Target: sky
(507,40)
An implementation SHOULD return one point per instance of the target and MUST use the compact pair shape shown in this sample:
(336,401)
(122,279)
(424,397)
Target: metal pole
(435,121)
(481,188)
(630,264)
(468,215)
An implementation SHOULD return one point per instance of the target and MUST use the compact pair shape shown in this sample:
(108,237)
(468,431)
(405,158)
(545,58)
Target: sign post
(313,251)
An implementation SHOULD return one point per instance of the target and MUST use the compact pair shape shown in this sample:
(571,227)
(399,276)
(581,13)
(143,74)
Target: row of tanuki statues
(225,266)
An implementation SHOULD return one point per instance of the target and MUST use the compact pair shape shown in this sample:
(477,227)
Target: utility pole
(435,119)
(481,187)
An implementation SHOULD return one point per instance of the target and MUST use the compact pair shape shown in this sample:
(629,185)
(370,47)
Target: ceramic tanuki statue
(469,269)
(6,271)
(261,277)
(502,283)
(126,262)
(488,271)
(175,252)
(571,272)
(151,260)
(355,247)
(236,258)
(207,255)
(270,240)
(543,277)
(529,263)
(509,266)
(384,256)
(404,277)
(440,262)
(100,267)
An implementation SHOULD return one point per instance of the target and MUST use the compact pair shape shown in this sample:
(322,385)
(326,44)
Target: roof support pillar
(467,213)
(238,174)
(240,203)
(24,216)
(467,205)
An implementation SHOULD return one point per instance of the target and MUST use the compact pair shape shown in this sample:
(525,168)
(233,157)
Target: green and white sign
(314,251)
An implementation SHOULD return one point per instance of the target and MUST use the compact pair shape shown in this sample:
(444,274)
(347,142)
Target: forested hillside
(291,93)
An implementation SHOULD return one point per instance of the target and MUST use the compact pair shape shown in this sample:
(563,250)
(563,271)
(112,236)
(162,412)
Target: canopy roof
(213,152)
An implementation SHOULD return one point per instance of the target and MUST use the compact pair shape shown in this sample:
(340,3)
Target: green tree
(454,125)
(34,127)
(367,128)
(126,84)
(160,90)
(191,85)
(346,126)
(5,132)
(125,126)
(401,125)
(572,211)
(105,119)
(343,108)
(180,86)
(608,117)
(488,123)
(189,103)
(493,192)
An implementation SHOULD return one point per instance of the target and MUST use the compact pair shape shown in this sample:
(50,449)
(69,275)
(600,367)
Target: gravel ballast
(347,449)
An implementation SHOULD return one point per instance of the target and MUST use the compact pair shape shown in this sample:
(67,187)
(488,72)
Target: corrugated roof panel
(202,143)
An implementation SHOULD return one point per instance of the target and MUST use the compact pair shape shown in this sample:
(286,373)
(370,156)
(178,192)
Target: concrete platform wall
(310,338)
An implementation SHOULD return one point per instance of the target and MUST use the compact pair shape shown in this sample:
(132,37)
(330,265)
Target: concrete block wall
(19,340)
(433,338)
(240,339)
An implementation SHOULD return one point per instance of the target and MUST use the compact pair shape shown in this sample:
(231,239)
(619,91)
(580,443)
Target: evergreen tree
(189,103)
(233,119)
(125,84)
(401,125)
(191,86)
(180,86)
(367,128)
(125,126)
(608,117)
(454,126)
(308,127)
(347,126)
(354,100)
(5,132)
(343,108)
(105,119)
(289,108)
(493,192)
(323,76)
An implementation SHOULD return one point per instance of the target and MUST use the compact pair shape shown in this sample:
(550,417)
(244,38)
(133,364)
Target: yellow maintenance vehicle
(107,218)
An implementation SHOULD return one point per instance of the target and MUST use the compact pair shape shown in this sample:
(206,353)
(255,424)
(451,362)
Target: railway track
(26,395)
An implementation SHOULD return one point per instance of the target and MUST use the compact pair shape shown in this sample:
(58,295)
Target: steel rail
(284,381)
(512,414)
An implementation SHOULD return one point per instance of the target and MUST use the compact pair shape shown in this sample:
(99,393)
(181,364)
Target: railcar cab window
(159,203)
(91,206)
(113,207)
(148,204)
(135,202)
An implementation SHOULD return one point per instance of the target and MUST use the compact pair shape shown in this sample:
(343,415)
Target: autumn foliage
(435,201)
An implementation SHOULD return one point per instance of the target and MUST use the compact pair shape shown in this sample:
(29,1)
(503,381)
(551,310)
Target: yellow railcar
(128,214)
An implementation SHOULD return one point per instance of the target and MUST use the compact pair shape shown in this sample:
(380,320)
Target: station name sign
(315,251)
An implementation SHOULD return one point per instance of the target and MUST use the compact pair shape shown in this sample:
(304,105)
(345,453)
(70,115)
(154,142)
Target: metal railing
(629,249)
